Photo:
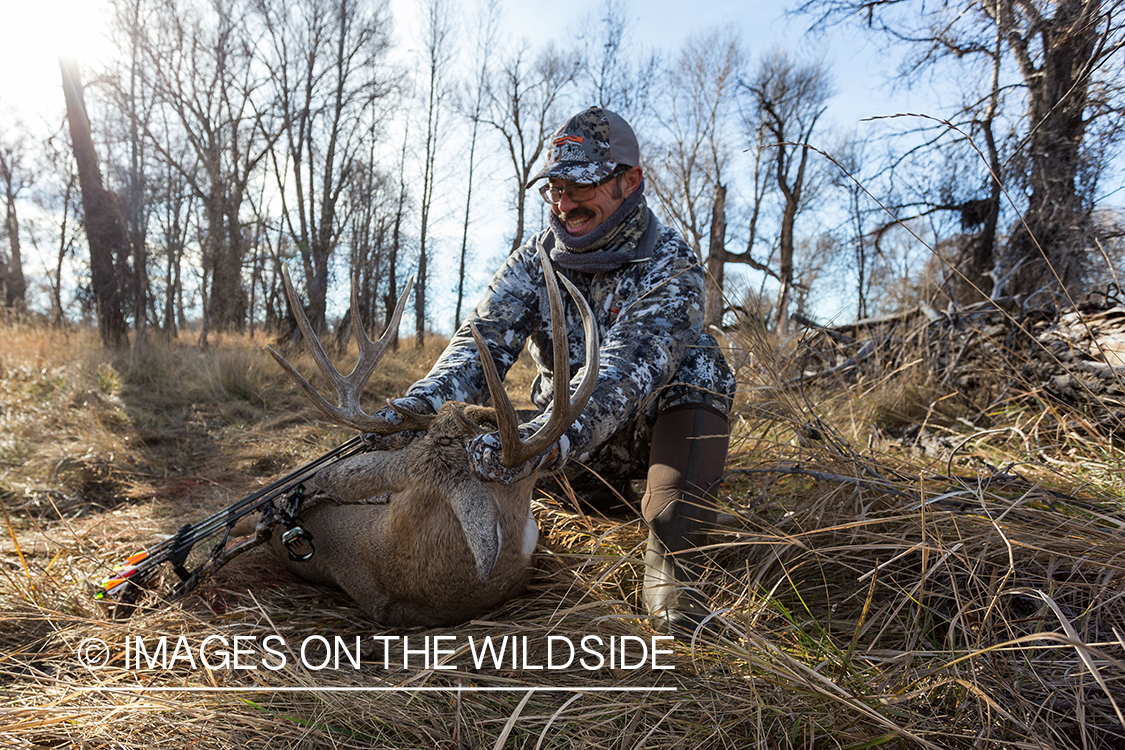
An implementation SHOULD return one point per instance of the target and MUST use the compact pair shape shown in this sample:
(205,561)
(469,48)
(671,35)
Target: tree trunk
(420,298)
(171,281)
(716,260)
(105,230)
(212,247)
(391,298)
(57,316)
(983,255)
(15,288)
(1051,240)
(136,227)
(228,296)
(785,248)
(437,50)
(465,226)
(521,208)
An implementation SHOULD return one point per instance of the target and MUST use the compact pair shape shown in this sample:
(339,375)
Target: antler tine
(564,409)
(348,389)
(507,421)
(371,353)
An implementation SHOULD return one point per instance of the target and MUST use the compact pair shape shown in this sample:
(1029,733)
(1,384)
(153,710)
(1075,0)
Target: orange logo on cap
(568,139)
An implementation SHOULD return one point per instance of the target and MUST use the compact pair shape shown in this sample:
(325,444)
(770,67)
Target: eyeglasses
(577,191)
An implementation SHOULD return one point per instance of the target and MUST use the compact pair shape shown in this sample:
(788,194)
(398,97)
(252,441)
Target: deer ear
(480,522)
(469,422)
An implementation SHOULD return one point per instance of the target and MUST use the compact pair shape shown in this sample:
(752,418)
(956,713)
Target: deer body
(413,535)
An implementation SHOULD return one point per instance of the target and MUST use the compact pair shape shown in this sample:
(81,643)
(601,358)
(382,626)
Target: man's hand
(392,442)
(484,461)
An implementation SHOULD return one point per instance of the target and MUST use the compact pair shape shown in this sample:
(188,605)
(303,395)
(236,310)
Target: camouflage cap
(589,146)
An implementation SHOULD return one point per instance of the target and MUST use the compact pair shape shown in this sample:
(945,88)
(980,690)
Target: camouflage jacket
(648,313)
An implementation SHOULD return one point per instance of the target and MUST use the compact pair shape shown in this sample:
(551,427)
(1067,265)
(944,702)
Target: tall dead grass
(869,594)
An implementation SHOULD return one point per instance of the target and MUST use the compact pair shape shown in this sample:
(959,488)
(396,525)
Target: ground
(949,585)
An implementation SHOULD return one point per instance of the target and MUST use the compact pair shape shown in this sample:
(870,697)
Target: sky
(38,32)
(41,30)
(44,29)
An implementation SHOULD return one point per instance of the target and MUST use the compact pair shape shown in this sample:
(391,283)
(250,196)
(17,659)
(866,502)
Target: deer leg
(688,454)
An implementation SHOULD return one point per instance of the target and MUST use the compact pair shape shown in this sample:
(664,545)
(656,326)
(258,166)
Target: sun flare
(41,32)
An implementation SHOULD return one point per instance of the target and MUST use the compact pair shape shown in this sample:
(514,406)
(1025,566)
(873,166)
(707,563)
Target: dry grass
(871,594)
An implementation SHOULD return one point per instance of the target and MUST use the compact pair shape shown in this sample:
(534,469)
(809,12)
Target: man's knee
(703,378)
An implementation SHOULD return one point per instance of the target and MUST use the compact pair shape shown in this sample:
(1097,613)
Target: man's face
(582,217)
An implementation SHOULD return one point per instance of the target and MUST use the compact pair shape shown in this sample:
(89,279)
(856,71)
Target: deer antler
(348,389)
(564,410)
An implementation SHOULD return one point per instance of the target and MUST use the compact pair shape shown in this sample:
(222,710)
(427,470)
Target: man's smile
(577,219)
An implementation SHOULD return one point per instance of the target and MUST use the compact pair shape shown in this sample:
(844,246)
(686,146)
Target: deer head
(412,534)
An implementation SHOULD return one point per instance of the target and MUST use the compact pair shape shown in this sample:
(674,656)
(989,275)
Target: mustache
(578,213)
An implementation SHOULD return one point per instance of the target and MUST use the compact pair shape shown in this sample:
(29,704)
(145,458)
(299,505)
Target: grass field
(961,588)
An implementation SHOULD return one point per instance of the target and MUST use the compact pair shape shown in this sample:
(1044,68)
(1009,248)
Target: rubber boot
(689,451)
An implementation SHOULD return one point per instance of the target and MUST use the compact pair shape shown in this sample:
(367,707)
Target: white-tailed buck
(412,534)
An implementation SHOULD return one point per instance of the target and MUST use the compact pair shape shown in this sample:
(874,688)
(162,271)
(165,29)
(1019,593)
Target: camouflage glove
(484,461)
(376,442)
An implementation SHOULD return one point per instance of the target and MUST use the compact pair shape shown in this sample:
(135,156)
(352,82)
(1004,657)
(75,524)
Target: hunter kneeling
(651,395)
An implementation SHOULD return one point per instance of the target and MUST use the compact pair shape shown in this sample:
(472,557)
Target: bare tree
(397,239)
(132,98)
(472,108)
(372,195)
(1062,53)
(206,79)
(847,179)
(905,270)
(15,178)
(175,202)
(813,256)
(437,43)
(789,99)
(325,65)
(58,199)
(940,176)
(686,172)
(613,74)
(522,108)
(1060,48)
(685,168)
(718,254)
(105,230)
